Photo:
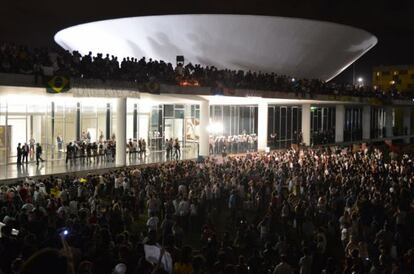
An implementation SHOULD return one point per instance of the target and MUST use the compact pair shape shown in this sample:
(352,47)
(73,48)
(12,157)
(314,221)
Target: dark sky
(392,21)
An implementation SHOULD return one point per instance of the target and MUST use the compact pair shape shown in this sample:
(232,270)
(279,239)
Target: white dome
(291,46)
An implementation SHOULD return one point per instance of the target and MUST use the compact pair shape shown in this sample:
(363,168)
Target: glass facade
(55,121)
(284,125)
(322,125)
(51,123)
(399,128)
(175,121)
(234,128)
(377,122)
(353,124)
(235,119)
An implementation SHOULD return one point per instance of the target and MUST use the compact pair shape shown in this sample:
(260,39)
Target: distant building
(399,77)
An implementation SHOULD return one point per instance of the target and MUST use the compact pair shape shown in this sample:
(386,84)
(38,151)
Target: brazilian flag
(151,86)
(56,84)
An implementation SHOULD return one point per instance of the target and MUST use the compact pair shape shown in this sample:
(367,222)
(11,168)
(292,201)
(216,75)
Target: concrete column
(204,136)
(366,122)
(120,134)
(339,123)
(262,118)
(407,124)
(306,123)
(388,121)
(78,121)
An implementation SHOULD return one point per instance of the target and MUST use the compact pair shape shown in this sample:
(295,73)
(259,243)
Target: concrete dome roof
(296,47)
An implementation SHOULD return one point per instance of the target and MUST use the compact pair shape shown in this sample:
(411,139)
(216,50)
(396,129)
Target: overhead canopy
(290,46)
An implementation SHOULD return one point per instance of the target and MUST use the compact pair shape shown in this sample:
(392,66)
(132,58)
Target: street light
(360,81)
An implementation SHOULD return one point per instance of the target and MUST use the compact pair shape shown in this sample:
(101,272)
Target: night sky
(392,21)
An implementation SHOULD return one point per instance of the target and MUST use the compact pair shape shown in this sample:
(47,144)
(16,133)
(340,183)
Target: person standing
(130,147)
(88,152)
(140,150)
(170,146)
(69,150)
(101,137)
(32,147)
(25,153)
(167,148)
(59,141)
(19,154)
(38,153)
(144,148)
(177,149)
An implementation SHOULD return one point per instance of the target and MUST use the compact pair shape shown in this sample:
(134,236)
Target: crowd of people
(324,210)
(86,151)
(232,144)
(41,61)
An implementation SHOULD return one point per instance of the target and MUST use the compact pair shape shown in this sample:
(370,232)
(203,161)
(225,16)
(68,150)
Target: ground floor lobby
(12,172)
(200,124)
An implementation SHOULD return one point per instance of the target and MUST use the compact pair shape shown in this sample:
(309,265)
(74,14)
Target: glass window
(295,120)
(169,110)
(289,123)
(283,123)
(277,122)
(235,119)
(226,120)
(188,113)
(218,113)
(179,113)
(270,121)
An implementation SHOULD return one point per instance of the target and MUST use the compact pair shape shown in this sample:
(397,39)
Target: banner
(5,137)
(2,136)
(107,93)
